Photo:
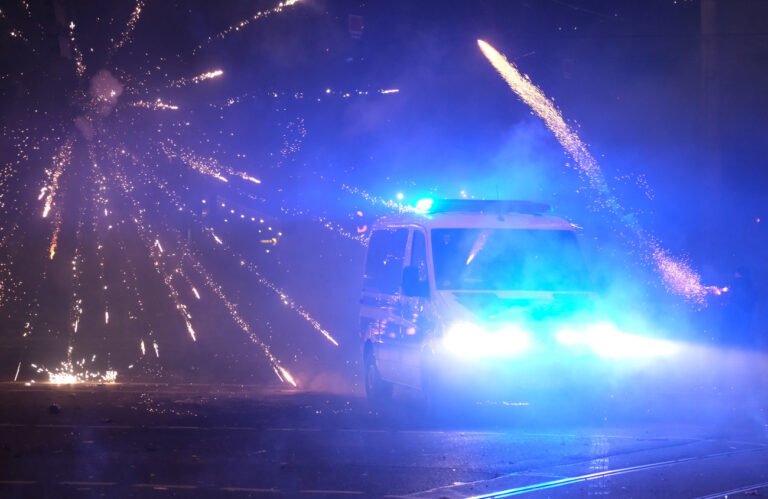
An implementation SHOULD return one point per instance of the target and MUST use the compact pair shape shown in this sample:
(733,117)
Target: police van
(460,287)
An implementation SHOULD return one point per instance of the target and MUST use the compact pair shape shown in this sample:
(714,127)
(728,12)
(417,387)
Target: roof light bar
(429,205)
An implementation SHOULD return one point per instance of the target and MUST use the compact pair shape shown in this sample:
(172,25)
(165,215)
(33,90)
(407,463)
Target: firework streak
(678,276)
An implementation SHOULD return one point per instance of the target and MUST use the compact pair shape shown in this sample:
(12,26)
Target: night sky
(334,107)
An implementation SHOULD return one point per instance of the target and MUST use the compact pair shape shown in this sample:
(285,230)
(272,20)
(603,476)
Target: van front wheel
(376,388)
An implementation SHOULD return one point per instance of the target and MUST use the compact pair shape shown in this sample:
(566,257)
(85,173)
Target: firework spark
(79,64)
(677,276)
(70,373)
(183,82)
(681,279)
(206,166)
(284,298)
(143,228)
(235,314)
(60,163)
(376,200)
(54,241)
(125,36)
(112,207)
(286,375)
(326,223)
(245,22)
(162,265)
(17,33)
(156,105)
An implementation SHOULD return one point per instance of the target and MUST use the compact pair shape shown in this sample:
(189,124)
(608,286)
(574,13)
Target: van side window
(384,264)
(419,254)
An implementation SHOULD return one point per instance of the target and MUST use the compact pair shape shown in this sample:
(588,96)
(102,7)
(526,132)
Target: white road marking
(89,484)
(602,474)
(247,489)
(337,492)
(163,486)
(740,490)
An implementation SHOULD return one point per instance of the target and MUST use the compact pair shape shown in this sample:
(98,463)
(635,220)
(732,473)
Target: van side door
(380,303)
(418,313)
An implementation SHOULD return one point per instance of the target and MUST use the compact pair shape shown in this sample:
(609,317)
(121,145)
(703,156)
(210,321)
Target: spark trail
(376,200)
(183,82)
(147,234)
(327,224)
(677,276)
(78,54)
(152,243)
(179,205)
(156,105)
(206,166)
(235,314)
(125,36)
(245,22)
(107,189)
(60,163)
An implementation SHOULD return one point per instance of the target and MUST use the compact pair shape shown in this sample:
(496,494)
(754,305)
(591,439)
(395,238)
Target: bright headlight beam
(466,339)
(463,338)
(511,340)
(607,341)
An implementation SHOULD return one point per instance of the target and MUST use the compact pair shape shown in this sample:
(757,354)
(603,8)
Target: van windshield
(508,259)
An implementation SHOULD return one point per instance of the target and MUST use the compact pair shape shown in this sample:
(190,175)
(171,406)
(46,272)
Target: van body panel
(406,330)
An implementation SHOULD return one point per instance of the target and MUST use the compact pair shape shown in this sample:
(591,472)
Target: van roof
(467,220)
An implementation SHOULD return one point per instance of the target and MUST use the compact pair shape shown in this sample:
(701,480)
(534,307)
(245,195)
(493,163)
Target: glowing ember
(54,243)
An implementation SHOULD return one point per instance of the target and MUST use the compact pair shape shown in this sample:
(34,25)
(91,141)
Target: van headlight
(470,340)
(607,340)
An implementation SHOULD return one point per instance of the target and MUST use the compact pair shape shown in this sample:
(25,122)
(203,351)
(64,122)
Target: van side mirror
(411,284)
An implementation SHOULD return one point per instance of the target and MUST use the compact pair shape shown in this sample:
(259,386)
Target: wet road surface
(236,441)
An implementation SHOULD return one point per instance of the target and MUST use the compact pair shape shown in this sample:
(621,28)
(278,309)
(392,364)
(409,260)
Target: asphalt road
(239,441)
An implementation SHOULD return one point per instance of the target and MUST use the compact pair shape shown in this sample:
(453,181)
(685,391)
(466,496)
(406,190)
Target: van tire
(376,389)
